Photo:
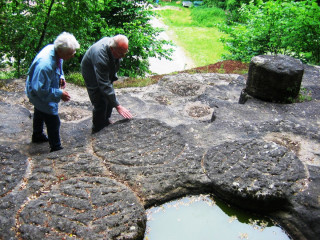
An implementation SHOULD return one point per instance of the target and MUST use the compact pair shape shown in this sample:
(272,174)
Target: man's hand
(65,96)
(63,83)
(124,112)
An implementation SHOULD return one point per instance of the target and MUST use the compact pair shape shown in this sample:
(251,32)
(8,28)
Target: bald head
(119,41)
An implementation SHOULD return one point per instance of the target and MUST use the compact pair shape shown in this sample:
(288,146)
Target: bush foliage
(252,27)
(27,26)
(275,27)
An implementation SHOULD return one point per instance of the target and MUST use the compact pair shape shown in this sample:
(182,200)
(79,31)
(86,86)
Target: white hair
(114,42)
(66,41)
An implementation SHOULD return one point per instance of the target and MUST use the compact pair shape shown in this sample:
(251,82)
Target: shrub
(76,78)
(275,27)
(27,26)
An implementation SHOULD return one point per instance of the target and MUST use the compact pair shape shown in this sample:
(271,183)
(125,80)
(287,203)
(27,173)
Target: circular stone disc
(254,172)
(84,208)
(144,142)
(13,166)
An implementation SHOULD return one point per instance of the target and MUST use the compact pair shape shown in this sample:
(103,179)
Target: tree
(132,19)
(27,26)
(273,27)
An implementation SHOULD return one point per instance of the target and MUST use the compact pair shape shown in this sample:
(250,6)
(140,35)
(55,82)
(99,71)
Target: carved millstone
(256,174)
(274,78)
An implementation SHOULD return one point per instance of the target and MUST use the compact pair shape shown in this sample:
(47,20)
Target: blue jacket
(42,85)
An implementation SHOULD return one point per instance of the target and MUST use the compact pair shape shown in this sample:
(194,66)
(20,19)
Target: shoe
(39,138)
(94,130)
(56,149)
(109,122)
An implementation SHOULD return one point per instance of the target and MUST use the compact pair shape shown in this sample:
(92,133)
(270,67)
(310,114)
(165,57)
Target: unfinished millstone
(13,166)
(182,86)
(198,110)
(15,124)
(255,174)
(84,208)
(152,158)
(274,78)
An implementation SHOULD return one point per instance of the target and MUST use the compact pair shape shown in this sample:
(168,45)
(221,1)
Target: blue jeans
(53,127)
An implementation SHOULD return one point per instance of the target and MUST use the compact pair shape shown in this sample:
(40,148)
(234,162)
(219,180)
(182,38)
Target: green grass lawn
(201,44)
(195,30)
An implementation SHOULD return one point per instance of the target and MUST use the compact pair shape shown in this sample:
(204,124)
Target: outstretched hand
(124,112)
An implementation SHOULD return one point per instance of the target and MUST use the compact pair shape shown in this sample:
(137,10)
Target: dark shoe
(56,149)
(94,130)
(39,138)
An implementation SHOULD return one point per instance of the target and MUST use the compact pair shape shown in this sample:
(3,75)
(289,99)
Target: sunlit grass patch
(134,82)
(201,44)
(173,17)
(199,36)
(76,78)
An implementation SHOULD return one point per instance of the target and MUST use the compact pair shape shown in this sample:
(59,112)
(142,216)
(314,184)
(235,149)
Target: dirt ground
(227,67)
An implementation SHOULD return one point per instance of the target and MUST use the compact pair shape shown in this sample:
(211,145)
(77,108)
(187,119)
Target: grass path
(201,44)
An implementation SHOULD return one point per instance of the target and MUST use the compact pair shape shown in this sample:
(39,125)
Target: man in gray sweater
(99,69)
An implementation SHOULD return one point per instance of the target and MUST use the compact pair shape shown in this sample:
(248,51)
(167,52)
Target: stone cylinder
(274,78)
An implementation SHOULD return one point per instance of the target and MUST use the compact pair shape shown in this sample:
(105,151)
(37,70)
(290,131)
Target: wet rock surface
(260,156)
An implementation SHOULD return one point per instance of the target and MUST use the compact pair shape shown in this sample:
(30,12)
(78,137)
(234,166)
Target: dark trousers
(53,127)
(101,111)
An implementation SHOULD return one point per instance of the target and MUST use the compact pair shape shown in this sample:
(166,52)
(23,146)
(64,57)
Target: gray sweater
(99,69)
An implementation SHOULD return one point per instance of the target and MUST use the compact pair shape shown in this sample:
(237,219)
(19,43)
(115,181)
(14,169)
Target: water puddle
(200,217)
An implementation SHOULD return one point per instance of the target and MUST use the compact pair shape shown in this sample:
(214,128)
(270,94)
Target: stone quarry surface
(189,136)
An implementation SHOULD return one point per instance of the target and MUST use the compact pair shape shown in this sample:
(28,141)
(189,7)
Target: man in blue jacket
(45,87)
(99,69)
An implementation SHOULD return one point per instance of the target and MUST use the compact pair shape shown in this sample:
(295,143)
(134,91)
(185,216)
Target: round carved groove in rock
(13,166)
(199,111)
(84,208)
(274,78)
(69,114)
(254,174)
(163,100)
(184,88)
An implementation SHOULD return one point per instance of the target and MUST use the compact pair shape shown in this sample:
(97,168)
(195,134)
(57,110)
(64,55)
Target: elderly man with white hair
(45,87)
(99,68)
